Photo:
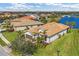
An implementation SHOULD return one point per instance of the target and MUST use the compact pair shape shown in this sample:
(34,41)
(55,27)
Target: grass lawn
(67,45)
(16,53)
(10,35)
(2,42)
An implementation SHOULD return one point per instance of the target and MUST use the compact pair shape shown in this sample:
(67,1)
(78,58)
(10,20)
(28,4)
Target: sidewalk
(3,52)
(8,50)
(5,40)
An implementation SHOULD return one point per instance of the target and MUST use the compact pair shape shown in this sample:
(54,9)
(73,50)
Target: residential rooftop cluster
(32,28)
(24,22)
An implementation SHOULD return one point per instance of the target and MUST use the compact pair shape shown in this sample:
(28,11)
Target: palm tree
(44,33)
(71,24)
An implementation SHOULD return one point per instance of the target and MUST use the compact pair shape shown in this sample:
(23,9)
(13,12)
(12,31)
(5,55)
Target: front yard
(10,36)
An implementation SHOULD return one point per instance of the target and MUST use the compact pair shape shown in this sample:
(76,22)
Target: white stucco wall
(23,27)
(63,32)
(28,33)
(55,36)
(29,27)
(19,28)
(52,38)
(34,26)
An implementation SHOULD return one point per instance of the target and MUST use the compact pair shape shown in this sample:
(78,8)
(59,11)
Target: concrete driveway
(3,52)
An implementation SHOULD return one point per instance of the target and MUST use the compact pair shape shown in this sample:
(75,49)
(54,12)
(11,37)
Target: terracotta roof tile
(26,20)
(51,28)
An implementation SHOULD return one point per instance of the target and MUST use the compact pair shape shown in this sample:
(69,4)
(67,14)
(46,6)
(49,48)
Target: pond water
(65,19)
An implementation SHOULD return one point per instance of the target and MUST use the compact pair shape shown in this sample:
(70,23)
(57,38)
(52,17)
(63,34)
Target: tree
(41,40)
(71,24)
(23,46)
(43,19)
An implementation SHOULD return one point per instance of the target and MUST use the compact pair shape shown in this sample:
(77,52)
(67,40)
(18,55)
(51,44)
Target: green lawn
(10,35)
(2,42)
(68,45)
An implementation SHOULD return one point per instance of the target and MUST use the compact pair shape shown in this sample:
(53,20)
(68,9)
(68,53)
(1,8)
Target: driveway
(3,52)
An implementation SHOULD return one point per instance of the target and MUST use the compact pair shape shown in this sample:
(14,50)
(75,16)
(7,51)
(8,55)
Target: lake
(65,19)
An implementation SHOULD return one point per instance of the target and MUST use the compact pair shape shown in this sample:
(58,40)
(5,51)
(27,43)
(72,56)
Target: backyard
(67,45)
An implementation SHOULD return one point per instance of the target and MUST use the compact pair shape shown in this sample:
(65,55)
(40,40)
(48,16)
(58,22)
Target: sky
(39,6)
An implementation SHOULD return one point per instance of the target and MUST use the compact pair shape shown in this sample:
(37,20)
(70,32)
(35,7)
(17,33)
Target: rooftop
(25,21)
(51,28)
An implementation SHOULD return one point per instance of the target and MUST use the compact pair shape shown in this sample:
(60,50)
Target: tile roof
(51,28)
(24,21)
(28,17)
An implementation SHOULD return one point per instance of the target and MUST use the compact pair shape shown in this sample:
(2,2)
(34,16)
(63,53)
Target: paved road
(3,52)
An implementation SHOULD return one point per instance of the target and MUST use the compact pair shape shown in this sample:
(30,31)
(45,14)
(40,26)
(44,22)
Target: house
(52,31)
(25,22)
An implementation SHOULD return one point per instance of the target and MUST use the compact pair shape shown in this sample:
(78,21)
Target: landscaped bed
(67,45)
(10,35)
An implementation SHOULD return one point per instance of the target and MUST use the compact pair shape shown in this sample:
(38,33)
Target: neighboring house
(25,22)
(52,30)
(36,16)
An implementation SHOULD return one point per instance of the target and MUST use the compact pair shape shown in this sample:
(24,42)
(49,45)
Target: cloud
(17,7)
(37,6)
(21,7)
(70,6)
(41,7)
